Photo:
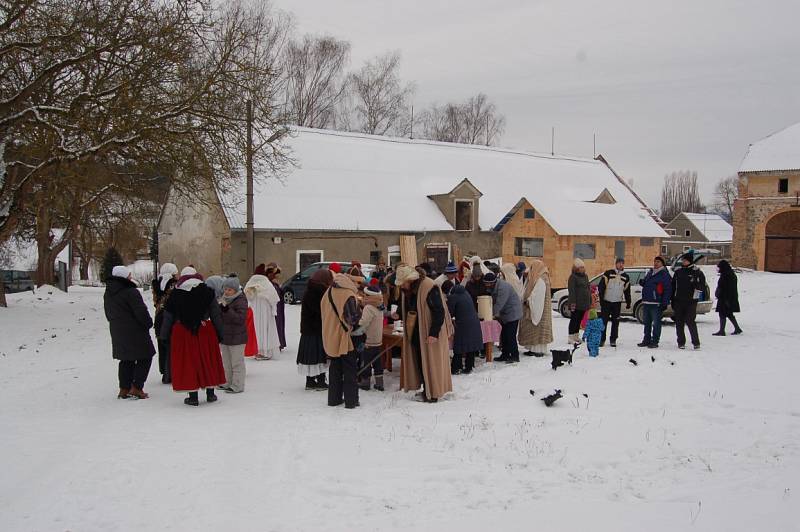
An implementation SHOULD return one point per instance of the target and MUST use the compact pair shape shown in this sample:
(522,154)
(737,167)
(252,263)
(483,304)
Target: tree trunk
(3,302)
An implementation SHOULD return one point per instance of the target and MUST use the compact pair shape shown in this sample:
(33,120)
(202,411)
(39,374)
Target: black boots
(378,383)
(316,383)
(210,395)
(311,383)
(192,399)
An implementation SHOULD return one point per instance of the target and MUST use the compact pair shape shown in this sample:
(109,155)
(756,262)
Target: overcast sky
(685,84)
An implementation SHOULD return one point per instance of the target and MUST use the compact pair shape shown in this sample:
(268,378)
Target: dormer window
(464,215)
(783,185)
(688,232)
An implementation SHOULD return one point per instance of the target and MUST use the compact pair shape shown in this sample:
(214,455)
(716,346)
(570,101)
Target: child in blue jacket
(593,333)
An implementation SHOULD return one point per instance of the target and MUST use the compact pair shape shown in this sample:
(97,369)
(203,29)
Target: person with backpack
(656,293)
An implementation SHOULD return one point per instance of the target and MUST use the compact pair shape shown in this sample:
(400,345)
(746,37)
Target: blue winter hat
(521,267)
(490,278)
(450,268)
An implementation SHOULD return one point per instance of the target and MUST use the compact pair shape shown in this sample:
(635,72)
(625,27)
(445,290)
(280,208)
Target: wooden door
(783,255)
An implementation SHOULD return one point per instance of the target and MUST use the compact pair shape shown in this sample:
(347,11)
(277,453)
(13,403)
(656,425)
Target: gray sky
(686,84)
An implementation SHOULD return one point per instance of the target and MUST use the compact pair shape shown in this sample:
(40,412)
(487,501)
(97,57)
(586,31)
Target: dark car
(295,286)
(17,281)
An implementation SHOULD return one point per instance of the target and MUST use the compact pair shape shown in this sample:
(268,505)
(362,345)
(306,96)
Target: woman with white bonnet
(263,299)
(193,326)
(129,323)
(162,287)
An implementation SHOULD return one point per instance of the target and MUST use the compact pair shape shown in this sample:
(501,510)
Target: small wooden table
(390,341)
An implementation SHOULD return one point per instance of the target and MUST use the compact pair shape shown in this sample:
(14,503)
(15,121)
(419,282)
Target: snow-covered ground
(706,440)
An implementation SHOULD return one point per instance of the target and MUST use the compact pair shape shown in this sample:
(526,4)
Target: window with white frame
(664,249)
(464,215)
(529,247)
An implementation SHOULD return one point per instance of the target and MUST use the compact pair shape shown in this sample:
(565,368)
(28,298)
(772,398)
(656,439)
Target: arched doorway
(783,243)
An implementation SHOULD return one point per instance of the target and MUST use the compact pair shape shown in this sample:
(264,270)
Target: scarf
(227,300)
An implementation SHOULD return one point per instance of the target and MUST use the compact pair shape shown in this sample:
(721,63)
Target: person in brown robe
(536,325)
(428,328)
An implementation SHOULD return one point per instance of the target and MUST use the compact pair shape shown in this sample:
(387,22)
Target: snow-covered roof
(779,151)
(351,181)
(713,227)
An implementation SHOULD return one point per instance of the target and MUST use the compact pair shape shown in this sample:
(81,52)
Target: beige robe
(435,357)
(536,334)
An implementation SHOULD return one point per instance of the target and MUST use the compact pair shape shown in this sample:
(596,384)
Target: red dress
(196,359)
(251,348)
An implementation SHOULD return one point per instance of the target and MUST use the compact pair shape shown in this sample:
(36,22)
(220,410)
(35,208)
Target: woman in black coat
(468,339)
(727,295)
(311,356)
(129,323)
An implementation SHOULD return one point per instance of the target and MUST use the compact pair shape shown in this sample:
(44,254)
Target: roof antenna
(553,141)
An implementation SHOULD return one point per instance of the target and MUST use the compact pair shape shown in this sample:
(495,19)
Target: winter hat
(578,263)
(660,259)
(215,282)
(404,274)
(521,267)
(372,290)
(335,267)
(490,278)
(689,255)
(450,268)
(231,282)
(121,271)
(261,269)
(620,259)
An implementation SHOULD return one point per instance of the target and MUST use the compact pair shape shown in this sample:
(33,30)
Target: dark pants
(376,367)
(575,320)
(685,313)
(610,313)
(465,362)
(652,323)
(134,372)
(723,316)
(342,380)
(163,358)
(508,340)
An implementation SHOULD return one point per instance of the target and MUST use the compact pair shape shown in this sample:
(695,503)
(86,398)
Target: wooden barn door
(783,255)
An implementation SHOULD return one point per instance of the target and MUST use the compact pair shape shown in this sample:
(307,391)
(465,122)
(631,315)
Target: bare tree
(381,100)
(679,194)
(315,79)
(475,121)
(725,194)
(164,86)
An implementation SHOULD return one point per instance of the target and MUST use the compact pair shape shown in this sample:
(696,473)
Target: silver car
(561,305)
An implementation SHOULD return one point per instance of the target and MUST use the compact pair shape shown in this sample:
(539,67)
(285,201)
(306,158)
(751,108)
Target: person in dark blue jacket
(467,340)
(656,293)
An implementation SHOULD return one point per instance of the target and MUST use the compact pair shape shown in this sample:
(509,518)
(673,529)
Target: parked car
(17,281)
(560,297)
(295,286)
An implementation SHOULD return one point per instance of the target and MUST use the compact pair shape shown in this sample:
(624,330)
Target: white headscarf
(509,272)
(167,271)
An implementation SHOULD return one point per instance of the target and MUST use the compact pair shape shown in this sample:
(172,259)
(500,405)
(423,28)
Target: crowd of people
(438,324)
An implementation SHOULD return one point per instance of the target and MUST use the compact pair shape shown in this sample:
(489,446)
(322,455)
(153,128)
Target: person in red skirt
(193,326)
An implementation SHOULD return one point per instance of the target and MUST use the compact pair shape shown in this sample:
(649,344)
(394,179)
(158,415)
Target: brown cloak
(530,334)
(435,357)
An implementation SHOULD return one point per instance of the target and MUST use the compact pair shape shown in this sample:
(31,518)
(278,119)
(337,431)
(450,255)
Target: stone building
(358,197)
(702,231)
(766,217)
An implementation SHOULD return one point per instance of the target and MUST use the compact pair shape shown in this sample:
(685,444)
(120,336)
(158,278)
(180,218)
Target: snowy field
(706,440)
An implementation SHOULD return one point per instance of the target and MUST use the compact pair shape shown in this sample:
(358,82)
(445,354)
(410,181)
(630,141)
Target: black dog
(562,356)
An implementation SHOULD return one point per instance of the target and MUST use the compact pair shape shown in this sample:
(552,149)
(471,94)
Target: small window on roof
(463,215)
(688,232)
(783,185)
(530,214)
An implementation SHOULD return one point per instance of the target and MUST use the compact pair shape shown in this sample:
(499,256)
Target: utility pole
(487,130)
(594,145)
(553,141)
(251,256)
(412,121)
